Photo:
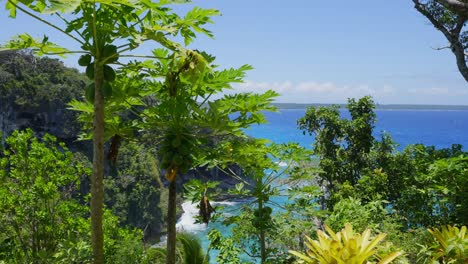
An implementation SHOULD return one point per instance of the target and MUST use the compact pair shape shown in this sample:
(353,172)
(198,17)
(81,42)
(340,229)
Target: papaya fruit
(110,51)
(171,174)
(109,73)
(84,60)
(89,94)
(107,89)
(90,71)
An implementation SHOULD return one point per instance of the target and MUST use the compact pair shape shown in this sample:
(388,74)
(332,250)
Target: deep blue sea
(440,128)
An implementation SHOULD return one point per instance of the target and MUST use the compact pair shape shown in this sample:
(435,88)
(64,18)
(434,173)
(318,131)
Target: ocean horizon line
(378,106)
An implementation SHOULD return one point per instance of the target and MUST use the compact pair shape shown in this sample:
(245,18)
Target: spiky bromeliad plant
(451,244)
(343,247)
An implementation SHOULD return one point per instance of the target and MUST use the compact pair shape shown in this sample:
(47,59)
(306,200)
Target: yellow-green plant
(344,247)
(451,246)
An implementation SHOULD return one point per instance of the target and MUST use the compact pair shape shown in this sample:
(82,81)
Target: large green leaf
(39,47)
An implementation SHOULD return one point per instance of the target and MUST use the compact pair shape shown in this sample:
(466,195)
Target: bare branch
(441,48)
(65,52)
(141,56)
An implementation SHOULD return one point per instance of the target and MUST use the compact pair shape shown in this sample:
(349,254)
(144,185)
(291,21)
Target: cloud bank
(330,92)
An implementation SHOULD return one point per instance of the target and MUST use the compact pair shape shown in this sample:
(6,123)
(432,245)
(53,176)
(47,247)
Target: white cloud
(308,92)
(330,92)
(430,91)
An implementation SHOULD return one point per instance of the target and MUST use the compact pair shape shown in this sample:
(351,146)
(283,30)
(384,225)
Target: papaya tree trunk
(97,186)
(171,223)
(262,233)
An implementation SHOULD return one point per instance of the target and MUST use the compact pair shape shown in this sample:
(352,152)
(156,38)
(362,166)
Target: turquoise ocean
(440,128)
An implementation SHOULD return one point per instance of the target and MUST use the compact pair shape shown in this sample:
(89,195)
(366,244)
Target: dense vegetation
(349,178)
(353,178)
(124,194)
(158,117)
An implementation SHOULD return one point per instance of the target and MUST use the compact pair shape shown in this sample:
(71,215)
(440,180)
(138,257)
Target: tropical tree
(342,145)
(184,120)
(254,227)
(434,194)
(105,31)
(449,17)
(257,229)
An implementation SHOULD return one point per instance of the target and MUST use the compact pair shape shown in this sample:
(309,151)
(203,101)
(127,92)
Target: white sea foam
(187,220)
(223,203)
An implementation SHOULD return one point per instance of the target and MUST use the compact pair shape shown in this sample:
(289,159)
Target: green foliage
(40,86)
(192,250)
(360,216)
(134,189)
(228,251)
(155,255)
(42,220)
(189,251)
(32,82)
(433,195)
(184,125)
(345,246)
(257,230)
(96,26)
(342,145)
(121,245)
(422,186)
(39,46)
(185,119)
(299,217)
(450,245)
(73,252)
(373,186)
(37,183)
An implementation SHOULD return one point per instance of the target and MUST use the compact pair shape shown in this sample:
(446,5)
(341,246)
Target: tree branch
(453,36)
(422,9)
(457,6)
(66,52)
(68,22)
(45,22)
(460,24)
(141,56)
(441,48)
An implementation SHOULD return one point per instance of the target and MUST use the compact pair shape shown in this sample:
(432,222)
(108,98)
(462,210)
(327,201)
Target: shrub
(450,245)
(345,246)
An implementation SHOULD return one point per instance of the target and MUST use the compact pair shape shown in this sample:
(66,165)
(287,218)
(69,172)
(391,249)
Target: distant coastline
(378,106)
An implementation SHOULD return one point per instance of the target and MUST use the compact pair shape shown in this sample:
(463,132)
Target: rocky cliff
(34,93)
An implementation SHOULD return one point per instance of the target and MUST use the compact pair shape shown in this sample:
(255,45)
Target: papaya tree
(258,226)
(105,31)
(190,128)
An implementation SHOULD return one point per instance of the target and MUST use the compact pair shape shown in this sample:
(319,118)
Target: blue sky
(321,51)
